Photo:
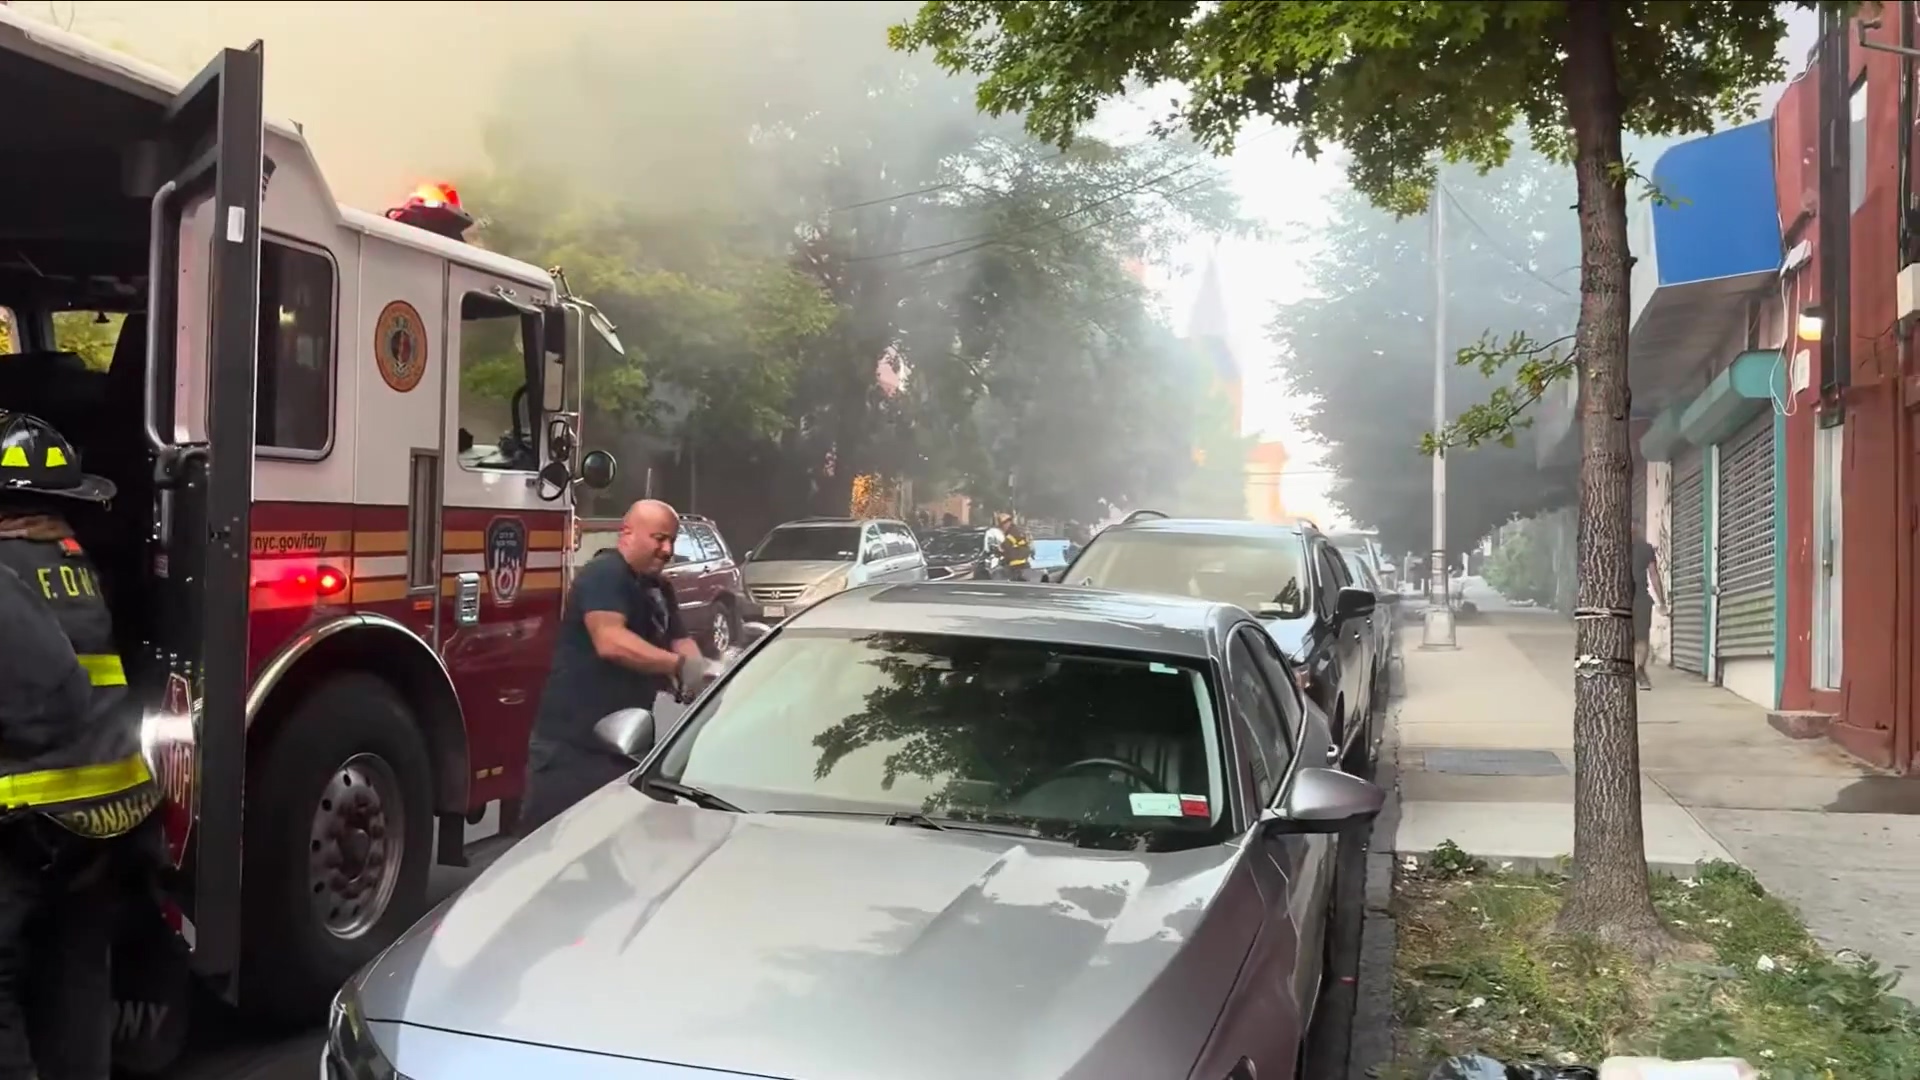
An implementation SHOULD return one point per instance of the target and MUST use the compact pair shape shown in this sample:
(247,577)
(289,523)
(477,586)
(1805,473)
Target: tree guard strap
(1602,613)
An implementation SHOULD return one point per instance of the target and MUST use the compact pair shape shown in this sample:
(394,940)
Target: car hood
(789,573)
(810,948)
(954,558)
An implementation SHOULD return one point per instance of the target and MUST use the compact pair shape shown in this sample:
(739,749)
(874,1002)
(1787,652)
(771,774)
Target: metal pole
(1437,631)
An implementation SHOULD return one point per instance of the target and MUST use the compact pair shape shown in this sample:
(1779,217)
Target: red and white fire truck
(336,559)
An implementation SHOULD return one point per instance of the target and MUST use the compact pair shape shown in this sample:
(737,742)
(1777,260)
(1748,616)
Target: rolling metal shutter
(1688,565)
(1745,540)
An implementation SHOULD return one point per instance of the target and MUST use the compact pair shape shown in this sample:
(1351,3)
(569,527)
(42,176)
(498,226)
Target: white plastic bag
(1622,1068)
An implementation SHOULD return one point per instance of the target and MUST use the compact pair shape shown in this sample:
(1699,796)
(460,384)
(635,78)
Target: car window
(1263,574)
(1109,749)
(873,546)
(1253,701)
(809,543)
(1286,692)
(710,544)
(956,542)
(899,541)
(1357,567)
(686,546)
(1331,577)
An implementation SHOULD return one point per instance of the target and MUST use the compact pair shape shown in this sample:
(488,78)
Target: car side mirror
(597,469)
(1354,603)
(751,632)
(1324,801)
(555,476)
(629,732)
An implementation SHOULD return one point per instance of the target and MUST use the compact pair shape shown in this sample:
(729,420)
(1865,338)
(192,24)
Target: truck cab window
(293,383)
(496,427)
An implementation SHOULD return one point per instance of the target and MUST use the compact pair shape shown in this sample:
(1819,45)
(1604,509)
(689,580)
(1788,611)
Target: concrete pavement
(1486,761)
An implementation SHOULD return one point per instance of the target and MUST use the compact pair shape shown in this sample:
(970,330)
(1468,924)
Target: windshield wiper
(915,819)
(700,797)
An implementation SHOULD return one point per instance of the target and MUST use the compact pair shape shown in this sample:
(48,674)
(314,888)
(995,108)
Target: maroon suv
(705,578)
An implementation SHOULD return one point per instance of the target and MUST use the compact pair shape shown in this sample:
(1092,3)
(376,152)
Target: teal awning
(1743,391)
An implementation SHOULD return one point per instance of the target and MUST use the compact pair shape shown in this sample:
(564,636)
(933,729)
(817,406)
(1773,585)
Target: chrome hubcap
(357,846)
(722,632)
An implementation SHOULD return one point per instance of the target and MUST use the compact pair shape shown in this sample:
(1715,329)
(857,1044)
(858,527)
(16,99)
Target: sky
(385,105)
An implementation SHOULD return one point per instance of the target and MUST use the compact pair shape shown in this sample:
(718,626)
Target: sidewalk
(1485,759)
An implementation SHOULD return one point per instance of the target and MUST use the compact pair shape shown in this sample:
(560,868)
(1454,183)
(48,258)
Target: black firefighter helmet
(34,458)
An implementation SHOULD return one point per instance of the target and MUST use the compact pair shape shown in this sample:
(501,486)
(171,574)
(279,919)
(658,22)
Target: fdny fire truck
(336,557)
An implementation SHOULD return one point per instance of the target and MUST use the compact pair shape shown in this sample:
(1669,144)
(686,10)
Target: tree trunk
(1608,893)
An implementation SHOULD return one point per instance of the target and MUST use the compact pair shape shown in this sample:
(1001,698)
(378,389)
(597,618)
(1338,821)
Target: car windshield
(810,543)
(1102,749)
(1259,573)
(956,542)
(1049,553)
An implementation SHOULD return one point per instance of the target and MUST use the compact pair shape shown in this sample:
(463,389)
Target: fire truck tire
(326,885)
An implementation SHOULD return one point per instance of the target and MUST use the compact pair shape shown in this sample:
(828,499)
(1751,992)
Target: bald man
(621,645)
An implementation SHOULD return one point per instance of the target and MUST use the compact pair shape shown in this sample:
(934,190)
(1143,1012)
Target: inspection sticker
(1154,804)
(1194,806)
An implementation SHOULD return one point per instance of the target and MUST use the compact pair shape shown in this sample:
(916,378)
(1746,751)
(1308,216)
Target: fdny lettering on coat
(60,583)
(506,558)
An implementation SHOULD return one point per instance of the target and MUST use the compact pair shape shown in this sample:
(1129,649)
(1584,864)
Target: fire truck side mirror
(597,469)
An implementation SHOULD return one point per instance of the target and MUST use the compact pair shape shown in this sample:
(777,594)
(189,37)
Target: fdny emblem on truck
(506,558)
(400,346)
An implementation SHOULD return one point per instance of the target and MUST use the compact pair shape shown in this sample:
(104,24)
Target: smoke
(653,100)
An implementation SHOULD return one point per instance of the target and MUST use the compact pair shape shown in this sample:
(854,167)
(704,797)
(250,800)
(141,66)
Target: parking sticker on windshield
(1154,804)
(1194,806)
(1162,669)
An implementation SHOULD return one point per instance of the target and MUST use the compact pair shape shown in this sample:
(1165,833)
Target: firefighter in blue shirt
(74,785)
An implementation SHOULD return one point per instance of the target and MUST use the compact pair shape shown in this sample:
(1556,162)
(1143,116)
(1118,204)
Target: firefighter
(74,786)
(1016,550)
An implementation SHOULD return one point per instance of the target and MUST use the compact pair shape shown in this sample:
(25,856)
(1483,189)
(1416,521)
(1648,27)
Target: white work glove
(695,673)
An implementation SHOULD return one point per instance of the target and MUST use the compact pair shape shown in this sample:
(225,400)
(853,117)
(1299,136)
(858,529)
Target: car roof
(1208,527)
(830,522)
(1062,614)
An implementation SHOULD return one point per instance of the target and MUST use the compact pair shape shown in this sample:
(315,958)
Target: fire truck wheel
(338,842)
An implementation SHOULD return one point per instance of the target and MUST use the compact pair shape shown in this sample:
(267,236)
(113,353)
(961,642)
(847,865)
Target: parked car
(956,553)
(706,580)
(1288,575)
(920,831)
(803,561)
(1367,546)
(1384,621)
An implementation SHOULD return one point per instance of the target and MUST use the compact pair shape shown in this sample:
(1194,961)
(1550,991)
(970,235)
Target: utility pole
(1437,631)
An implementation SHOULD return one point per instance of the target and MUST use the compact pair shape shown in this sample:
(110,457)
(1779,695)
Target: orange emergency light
(435,208)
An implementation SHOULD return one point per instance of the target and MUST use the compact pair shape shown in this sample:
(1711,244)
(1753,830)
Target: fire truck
(335,562)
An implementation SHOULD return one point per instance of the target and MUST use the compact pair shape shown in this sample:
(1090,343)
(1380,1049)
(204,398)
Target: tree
(829,216)
(1359,346)
(1403,85)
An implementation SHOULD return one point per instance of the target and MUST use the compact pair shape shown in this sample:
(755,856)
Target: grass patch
(1478,969)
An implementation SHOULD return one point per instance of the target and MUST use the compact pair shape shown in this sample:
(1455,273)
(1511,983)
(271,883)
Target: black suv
(1289,576)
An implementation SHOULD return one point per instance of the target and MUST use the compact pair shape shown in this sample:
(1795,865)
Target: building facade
(1776,400)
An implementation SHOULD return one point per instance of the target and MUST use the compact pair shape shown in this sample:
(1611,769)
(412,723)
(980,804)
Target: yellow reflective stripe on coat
(50,787)
(103,669)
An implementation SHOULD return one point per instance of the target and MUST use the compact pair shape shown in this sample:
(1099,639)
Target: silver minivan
(806,560)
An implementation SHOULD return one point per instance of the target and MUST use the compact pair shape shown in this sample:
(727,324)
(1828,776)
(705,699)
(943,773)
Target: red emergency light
(435,208)
(323,580)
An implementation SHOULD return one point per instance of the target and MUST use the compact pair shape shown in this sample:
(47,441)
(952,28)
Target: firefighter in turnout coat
(74,785)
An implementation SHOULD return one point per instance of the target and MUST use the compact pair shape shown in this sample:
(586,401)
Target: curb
(1370,1044)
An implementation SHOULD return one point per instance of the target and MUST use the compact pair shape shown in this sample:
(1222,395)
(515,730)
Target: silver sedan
(934,831)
